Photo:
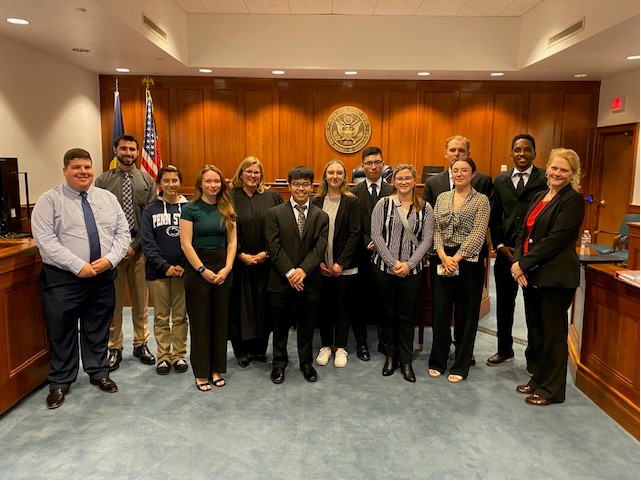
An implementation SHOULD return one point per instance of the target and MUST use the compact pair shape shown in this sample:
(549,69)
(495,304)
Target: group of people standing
(240,263)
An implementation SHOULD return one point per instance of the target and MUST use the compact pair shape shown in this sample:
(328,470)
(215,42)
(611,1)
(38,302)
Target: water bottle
(586,240)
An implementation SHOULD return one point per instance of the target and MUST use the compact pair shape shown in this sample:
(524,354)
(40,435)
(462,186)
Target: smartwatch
(201,269)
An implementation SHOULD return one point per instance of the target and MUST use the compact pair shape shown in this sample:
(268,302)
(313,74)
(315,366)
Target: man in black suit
(368,193)
(296,235)
(513,193)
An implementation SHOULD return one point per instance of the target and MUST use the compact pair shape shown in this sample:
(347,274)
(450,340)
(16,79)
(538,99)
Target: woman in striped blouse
(402,230)
(461,219)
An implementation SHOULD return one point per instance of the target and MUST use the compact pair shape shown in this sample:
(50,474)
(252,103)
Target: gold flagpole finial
(148,81)
(116,84)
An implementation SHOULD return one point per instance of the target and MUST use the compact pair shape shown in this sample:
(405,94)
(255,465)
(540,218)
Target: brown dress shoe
(536,400)
(525,389)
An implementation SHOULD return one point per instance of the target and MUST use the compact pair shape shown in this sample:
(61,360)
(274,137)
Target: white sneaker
(340,358)
(323,356)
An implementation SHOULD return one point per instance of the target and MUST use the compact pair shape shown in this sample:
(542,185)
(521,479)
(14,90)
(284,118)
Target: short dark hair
(300,172)
(371,150)
(171,169)
(525,137)
(75,154)
(127,138)
(469,161)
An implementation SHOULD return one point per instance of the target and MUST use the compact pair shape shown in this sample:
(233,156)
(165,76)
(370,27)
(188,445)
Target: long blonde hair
(223,199)
(237,182)
(417,202)
(323,187)
(575,164)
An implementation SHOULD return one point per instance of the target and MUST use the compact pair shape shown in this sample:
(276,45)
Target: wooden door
(616,162)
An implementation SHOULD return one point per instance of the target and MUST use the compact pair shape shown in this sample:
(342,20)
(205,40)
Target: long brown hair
(223,199)
(237,182)
(417,202)
(322,185)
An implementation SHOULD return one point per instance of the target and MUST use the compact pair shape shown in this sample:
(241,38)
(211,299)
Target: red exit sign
(617,104)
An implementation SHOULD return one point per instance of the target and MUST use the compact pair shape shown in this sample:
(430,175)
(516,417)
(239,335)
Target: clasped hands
(449,265)
(93,269)
(216,278)
(296,279)
(518,275)
(252,259)
(335,271)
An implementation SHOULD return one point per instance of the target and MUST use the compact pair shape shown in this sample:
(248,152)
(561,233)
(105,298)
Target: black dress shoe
(309,373)
(113,361)
(389,367)
(260,358)
(472,361)
(244,361)
(536,400)
(525,389)
(362,353)
(278,375)
(498,359)
(105,384)
(142,352)
(56,397)
(381,348)
(408,373)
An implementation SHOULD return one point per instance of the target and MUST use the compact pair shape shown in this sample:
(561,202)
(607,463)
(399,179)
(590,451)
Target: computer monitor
(430,170)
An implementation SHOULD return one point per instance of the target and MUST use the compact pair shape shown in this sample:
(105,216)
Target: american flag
(151,161)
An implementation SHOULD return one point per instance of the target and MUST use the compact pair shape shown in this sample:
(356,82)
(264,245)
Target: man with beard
(135,190)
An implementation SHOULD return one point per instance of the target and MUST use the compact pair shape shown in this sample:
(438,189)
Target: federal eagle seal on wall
(348,129)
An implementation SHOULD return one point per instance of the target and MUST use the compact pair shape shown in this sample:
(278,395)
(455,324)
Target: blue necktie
(92,230)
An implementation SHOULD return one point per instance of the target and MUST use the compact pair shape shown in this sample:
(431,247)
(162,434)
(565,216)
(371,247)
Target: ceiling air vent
(567,32)
(153,26)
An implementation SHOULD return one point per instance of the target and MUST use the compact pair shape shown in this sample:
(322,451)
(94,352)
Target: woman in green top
(208,239)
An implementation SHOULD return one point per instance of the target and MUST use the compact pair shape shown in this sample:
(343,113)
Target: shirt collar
(293,203)
(74,191)
(378,183)
(527,171)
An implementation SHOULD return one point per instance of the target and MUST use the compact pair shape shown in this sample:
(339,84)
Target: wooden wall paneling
(506,123)
(437,124)
(295,115)
(578,115)
(162,110)
(475,122)
(188,134)
(259,127)
(222,129)
(403,130)
(543,115)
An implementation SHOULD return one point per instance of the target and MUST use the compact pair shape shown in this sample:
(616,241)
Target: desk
(24,351)
(604,347)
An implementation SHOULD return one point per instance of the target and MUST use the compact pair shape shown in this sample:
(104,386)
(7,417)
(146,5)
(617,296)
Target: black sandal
(220,382)
(203,387)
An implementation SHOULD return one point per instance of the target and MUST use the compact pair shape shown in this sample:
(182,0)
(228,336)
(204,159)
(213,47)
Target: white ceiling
(115,37)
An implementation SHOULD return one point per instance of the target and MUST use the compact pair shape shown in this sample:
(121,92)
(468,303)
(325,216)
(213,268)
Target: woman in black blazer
(339,268)
(547,266)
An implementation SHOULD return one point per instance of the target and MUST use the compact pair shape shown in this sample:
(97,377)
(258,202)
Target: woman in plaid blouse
(461,220)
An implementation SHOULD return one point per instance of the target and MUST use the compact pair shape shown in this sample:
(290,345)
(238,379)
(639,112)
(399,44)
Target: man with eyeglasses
(296,235)
(368,193)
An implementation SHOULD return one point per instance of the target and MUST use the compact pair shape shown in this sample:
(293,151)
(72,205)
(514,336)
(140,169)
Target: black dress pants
(506,291)
(546,314)
(208,307)
(369,310)
(397,311)
(460,294)
(336,308)
(71,302)
(288,309)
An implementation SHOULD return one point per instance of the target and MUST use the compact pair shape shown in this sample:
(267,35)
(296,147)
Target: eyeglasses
(252,172)
(301,185)
(377,163)
(407,178)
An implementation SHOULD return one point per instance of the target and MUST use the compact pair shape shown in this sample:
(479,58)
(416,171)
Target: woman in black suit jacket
(547,266)
(339,268)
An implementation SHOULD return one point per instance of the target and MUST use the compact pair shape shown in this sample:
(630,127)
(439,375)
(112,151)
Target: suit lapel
(339,215)
(311,216)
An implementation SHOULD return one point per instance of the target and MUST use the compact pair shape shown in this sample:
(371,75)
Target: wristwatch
(201,269)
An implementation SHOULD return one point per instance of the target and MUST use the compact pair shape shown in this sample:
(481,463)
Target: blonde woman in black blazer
(339,269)
(547,266)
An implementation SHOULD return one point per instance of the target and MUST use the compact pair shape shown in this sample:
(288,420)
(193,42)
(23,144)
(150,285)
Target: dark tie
(374,193)
(301,218)
(128,200)
(92,230)
(520,187)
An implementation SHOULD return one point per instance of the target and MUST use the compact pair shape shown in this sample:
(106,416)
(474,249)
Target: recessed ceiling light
(80,50)
(278,72)
(122,70)
(351,72)
(205,70)
(18,21)
(632,57)
(423,74)
(580,75)
(497,74)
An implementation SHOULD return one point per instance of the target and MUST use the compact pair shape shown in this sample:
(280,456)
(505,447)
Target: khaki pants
(168,297)
(132,271)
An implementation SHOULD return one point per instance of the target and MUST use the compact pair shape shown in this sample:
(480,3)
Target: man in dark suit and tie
(368,193)
(513,193)
(296,235)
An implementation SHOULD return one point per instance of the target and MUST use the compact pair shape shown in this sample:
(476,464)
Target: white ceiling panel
(268,7)
(397,7)
(192,6)
(441,8)
(484,8)
(519,7)
(310,7)
(224,6)
(353,7)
